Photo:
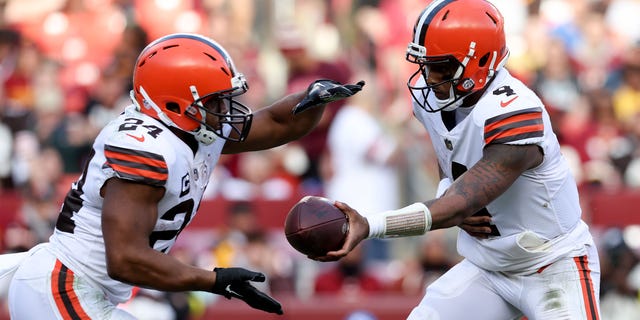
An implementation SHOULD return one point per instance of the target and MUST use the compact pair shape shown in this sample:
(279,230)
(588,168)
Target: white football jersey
(538,219)
(137,148)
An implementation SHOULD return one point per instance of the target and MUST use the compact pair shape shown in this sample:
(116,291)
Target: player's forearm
(275,125)
(155,270)
(296,125)
(472,191)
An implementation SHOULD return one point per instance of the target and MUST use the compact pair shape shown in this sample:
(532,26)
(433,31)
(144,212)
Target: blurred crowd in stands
(65,71)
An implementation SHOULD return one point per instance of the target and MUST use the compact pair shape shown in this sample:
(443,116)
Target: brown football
(314,226)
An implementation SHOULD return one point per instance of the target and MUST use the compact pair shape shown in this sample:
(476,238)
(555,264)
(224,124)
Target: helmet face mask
(225,111)
(461,45)
(189,82)
(441,76)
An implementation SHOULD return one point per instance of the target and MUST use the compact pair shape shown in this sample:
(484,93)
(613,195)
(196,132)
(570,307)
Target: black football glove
(324,91)
(234,282)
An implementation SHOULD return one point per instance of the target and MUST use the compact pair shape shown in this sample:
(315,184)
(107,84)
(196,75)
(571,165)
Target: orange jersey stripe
(140,172)
(516,118)
(137,159)
(537,130)
(587,288)
(137,165)
(514,126)
(65,297)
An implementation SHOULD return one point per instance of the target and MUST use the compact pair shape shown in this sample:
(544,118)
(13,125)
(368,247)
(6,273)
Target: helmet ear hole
(483,61)
(173,107)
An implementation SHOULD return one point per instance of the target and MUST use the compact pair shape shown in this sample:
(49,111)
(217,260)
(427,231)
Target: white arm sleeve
(412,220)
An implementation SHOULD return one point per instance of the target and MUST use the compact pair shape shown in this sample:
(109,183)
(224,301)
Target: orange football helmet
(464,36)
(180,78)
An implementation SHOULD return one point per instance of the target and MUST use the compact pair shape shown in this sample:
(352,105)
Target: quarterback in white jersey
(504,181)
(144,181)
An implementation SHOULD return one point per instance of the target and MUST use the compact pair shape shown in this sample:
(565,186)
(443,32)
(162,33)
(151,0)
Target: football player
(144,181)
(526,250)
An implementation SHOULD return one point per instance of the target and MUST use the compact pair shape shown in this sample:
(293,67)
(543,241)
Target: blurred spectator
(134,39)
(72,137)
(595,53)
(632,169)
(622,20)
(18,237)
(41,204)
(363,159)
(348,278)
(260,175)
(26,149)
(436,254)
(593,133)
(556,80)
(241,222)
(9,47)
(244,243)
(16,93)
(383,29)
(107,100)
(626,98)
(303,68)
(620,292)
(6,141)
(362,154)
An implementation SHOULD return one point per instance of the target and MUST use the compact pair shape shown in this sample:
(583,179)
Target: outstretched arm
(292,116)
(499,167)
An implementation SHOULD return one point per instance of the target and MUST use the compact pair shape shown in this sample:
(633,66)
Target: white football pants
(43,288)
(566,289)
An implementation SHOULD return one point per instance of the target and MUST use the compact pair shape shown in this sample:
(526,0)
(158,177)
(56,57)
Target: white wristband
(412,220)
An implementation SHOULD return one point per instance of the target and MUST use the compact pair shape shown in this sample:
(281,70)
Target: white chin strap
(202,134)
(449,102)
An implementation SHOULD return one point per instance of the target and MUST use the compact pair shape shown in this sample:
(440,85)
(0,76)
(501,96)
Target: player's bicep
(129,215)
(513,158)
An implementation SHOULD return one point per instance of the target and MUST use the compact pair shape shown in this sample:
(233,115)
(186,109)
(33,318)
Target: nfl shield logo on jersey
(449,144)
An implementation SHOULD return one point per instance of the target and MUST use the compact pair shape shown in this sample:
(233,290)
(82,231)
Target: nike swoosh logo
(233,293)
(139,138)
(508,102)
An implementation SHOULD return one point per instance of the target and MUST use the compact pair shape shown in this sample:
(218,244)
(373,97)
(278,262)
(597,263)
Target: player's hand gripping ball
(314,226)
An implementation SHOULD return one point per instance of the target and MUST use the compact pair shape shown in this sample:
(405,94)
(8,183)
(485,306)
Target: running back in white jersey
(537,220)
(137,148)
